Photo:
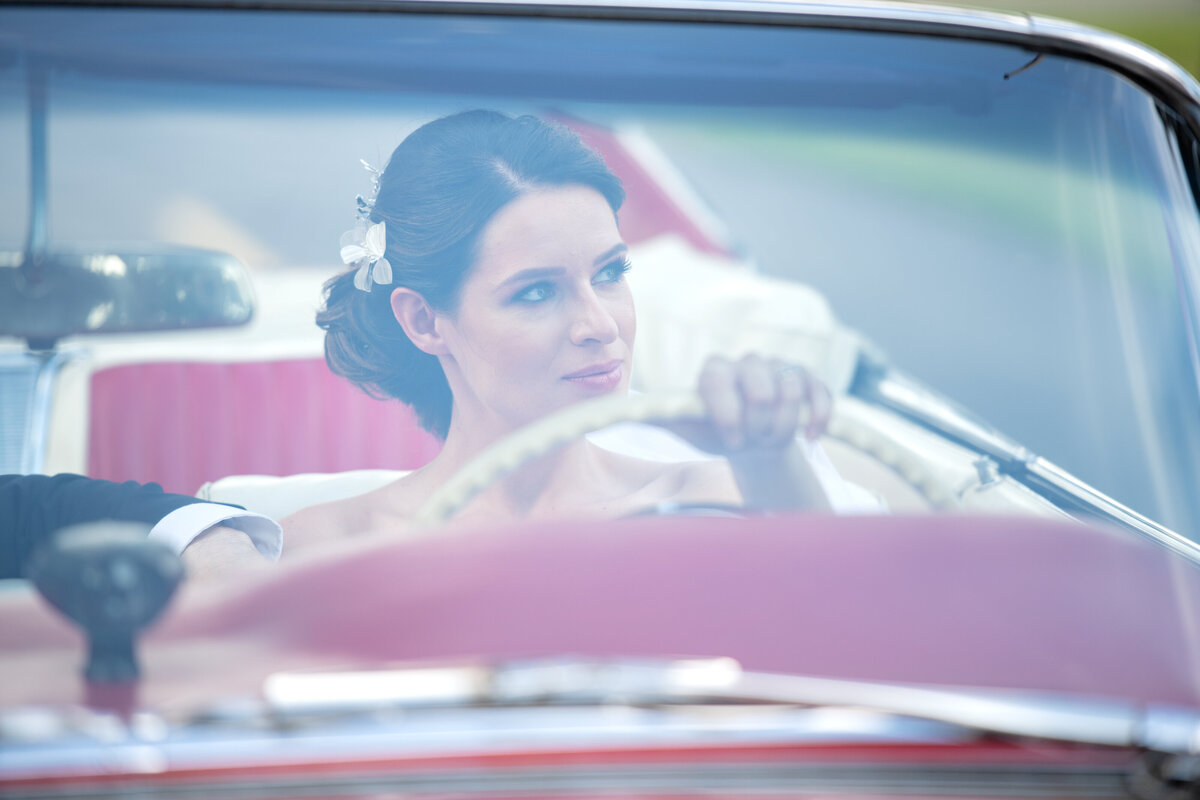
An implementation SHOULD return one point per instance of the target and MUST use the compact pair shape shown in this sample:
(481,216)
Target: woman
(489,290)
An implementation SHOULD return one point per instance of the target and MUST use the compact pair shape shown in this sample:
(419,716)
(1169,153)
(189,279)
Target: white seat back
(278,496)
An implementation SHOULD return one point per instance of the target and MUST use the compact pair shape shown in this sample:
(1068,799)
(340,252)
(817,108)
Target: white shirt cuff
(179,528)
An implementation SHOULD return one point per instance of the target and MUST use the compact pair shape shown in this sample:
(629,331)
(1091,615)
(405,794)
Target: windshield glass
(1011,232)
(630,392)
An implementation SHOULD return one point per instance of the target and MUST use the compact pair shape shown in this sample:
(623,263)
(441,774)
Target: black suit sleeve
(32,507)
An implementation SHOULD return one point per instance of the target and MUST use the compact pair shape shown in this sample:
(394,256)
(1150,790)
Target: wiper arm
(883,385)
(1042,715)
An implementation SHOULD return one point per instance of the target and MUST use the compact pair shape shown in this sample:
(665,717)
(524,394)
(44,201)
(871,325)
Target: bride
(487,289)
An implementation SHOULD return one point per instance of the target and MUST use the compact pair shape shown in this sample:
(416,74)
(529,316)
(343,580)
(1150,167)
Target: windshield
(1011,232)
(966,270)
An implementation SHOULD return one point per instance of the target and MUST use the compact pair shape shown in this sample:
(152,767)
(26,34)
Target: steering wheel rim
(569,423)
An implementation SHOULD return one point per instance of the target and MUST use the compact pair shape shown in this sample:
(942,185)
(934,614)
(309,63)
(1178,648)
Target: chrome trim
(584,682)
(83,742)
(562,703)
(1170,730)
(19,371)
(1048,473)
(568,704)
(621,776)
(33,460)
(42,369)
(1188,278)
(1040,715)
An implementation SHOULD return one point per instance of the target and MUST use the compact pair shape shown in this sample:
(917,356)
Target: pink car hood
(976,602)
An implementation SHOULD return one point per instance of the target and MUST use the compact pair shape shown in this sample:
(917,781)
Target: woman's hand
(756,404)
(756,408)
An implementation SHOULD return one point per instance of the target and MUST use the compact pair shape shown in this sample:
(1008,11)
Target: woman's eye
(611,273)
(536,293)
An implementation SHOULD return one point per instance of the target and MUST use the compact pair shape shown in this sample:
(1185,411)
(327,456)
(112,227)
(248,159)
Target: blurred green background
(1170,26)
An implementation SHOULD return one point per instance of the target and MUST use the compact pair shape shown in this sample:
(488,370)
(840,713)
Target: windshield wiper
(877,382)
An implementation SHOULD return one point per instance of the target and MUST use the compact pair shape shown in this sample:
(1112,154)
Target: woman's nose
(593,322)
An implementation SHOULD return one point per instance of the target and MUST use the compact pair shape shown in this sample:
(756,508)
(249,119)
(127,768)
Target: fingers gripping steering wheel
(574,421)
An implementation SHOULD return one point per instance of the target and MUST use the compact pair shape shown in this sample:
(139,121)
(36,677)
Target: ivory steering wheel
(576,420)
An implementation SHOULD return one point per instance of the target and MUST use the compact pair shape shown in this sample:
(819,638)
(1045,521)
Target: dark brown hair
(442,185)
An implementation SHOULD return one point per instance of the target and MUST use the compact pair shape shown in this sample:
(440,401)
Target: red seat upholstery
(183,423)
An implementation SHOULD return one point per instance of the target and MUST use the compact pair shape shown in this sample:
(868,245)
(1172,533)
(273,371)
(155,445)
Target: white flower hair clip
(364,246)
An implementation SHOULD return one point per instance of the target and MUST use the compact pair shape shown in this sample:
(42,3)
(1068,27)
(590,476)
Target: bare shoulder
(347,517)
(322,522)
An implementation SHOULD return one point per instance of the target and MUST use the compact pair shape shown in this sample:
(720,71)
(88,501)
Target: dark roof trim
(1167,81)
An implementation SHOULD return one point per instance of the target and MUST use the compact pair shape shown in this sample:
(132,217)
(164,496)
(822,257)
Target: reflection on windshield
(1002,241)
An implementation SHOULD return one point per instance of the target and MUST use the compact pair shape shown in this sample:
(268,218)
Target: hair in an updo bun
(441,187)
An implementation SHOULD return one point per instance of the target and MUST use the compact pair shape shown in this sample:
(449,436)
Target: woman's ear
(418,320)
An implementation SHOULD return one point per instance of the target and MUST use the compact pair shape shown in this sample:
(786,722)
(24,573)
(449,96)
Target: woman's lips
(598,377)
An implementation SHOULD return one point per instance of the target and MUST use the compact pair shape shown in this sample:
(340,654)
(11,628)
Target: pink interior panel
(183,423)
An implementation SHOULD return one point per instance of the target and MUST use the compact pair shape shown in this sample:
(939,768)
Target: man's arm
(222,552)
(33,507)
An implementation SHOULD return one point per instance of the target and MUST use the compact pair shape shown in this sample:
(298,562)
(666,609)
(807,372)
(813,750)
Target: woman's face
(545,317)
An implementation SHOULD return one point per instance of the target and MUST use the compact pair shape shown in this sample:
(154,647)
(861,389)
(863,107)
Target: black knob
(112,581)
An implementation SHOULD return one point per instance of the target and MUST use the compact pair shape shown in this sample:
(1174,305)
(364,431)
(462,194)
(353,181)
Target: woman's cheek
(628,321)
(530,344)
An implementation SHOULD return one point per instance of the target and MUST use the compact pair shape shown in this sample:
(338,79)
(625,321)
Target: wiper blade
(1043,715)
(885,386)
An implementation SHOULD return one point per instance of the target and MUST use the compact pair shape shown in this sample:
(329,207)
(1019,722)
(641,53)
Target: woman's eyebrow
(531,274)
(612,251)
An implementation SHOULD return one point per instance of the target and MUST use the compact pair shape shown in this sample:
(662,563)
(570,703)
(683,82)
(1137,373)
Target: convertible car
(981,230)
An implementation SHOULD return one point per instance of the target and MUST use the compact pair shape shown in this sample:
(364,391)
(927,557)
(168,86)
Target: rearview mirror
(70,293)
